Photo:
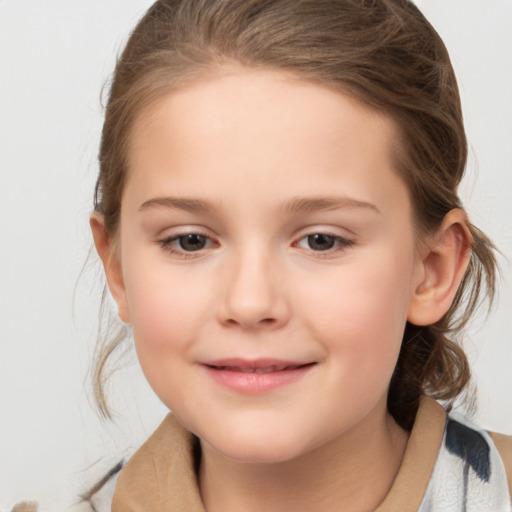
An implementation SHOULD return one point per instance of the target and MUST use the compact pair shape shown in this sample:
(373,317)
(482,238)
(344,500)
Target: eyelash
(340,244)
(168,244)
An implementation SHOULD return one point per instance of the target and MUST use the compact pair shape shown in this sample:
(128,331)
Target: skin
(265,161)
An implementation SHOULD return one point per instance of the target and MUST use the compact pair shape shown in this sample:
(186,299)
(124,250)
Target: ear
(106,248)
(442,267)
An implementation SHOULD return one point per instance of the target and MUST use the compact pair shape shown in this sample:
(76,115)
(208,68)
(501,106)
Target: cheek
(167,313)
(166,310)
(359,312)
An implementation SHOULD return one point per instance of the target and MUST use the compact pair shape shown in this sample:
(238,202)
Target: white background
(55,55)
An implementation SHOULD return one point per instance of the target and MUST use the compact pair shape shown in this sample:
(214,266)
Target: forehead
(253,128)
(249,95)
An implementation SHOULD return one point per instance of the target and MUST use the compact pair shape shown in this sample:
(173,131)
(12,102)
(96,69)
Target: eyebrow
(178,203)
(295,205)
(312,204)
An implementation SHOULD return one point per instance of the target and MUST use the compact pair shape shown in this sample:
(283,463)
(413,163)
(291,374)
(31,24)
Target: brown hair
(382,52)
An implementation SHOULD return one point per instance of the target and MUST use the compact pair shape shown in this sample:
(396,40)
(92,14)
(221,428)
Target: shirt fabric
(449,465)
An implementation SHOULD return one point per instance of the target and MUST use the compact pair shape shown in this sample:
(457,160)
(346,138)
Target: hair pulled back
(381,52)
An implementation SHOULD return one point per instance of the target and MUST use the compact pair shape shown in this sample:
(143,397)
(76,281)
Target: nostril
(242,323)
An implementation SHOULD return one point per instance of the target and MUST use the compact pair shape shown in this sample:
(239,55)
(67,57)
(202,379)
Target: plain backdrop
(55,56)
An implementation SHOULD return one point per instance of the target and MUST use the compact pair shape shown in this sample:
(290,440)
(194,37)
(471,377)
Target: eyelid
(166,242)
(340,239)
(324,229)
(342,242)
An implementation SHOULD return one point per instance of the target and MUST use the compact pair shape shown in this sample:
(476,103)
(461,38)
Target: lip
(256,376)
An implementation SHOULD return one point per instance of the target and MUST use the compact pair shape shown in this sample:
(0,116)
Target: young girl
(278,219)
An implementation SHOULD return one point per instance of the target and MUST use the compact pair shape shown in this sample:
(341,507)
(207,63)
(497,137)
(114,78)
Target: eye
(186,243)
(322,242)
(192,242)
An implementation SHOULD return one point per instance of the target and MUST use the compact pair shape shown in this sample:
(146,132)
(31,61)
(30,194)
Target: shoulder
(478,446)
(160,472)
(138,481)
(504,446)
(469,471)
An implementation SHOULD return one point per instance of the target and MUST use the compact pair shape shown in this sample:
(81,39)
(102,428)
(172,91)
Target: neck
(355,469)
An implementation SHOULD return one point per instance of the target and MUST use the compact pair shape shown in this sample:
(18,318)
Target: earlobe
(442,268)
(111,264)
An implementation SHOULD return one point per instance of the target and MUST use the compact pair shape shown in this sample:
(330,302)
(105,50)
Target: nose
(253,293)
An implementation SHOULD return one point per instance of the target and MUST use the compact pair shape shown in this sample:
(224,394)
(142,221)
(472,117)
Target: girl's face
(268,261)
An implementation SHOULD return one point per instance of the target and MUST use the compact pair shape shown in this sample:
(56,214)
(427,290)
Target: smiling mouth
(258,369)
(262,365)
(255,377)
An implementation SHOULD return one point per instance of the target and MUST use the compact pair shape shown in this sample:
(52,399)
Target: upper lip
(255,365)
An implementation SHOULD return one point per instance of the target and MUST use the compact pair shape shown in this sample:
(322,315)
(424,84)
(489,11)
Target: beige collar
(160,477)
(420,456)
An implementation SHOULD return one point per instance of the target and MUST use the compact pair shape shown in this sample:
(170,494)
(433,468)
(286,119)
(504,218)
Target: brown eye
(321,242)
(187,245)
(324,242)
(192,242)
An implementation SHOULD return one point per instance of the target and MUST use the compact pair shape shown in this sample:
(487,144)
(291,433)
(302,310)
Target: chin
(257,448)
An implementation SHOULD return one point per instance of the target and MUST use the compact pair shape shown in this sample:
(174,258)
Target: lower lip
(257,383)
